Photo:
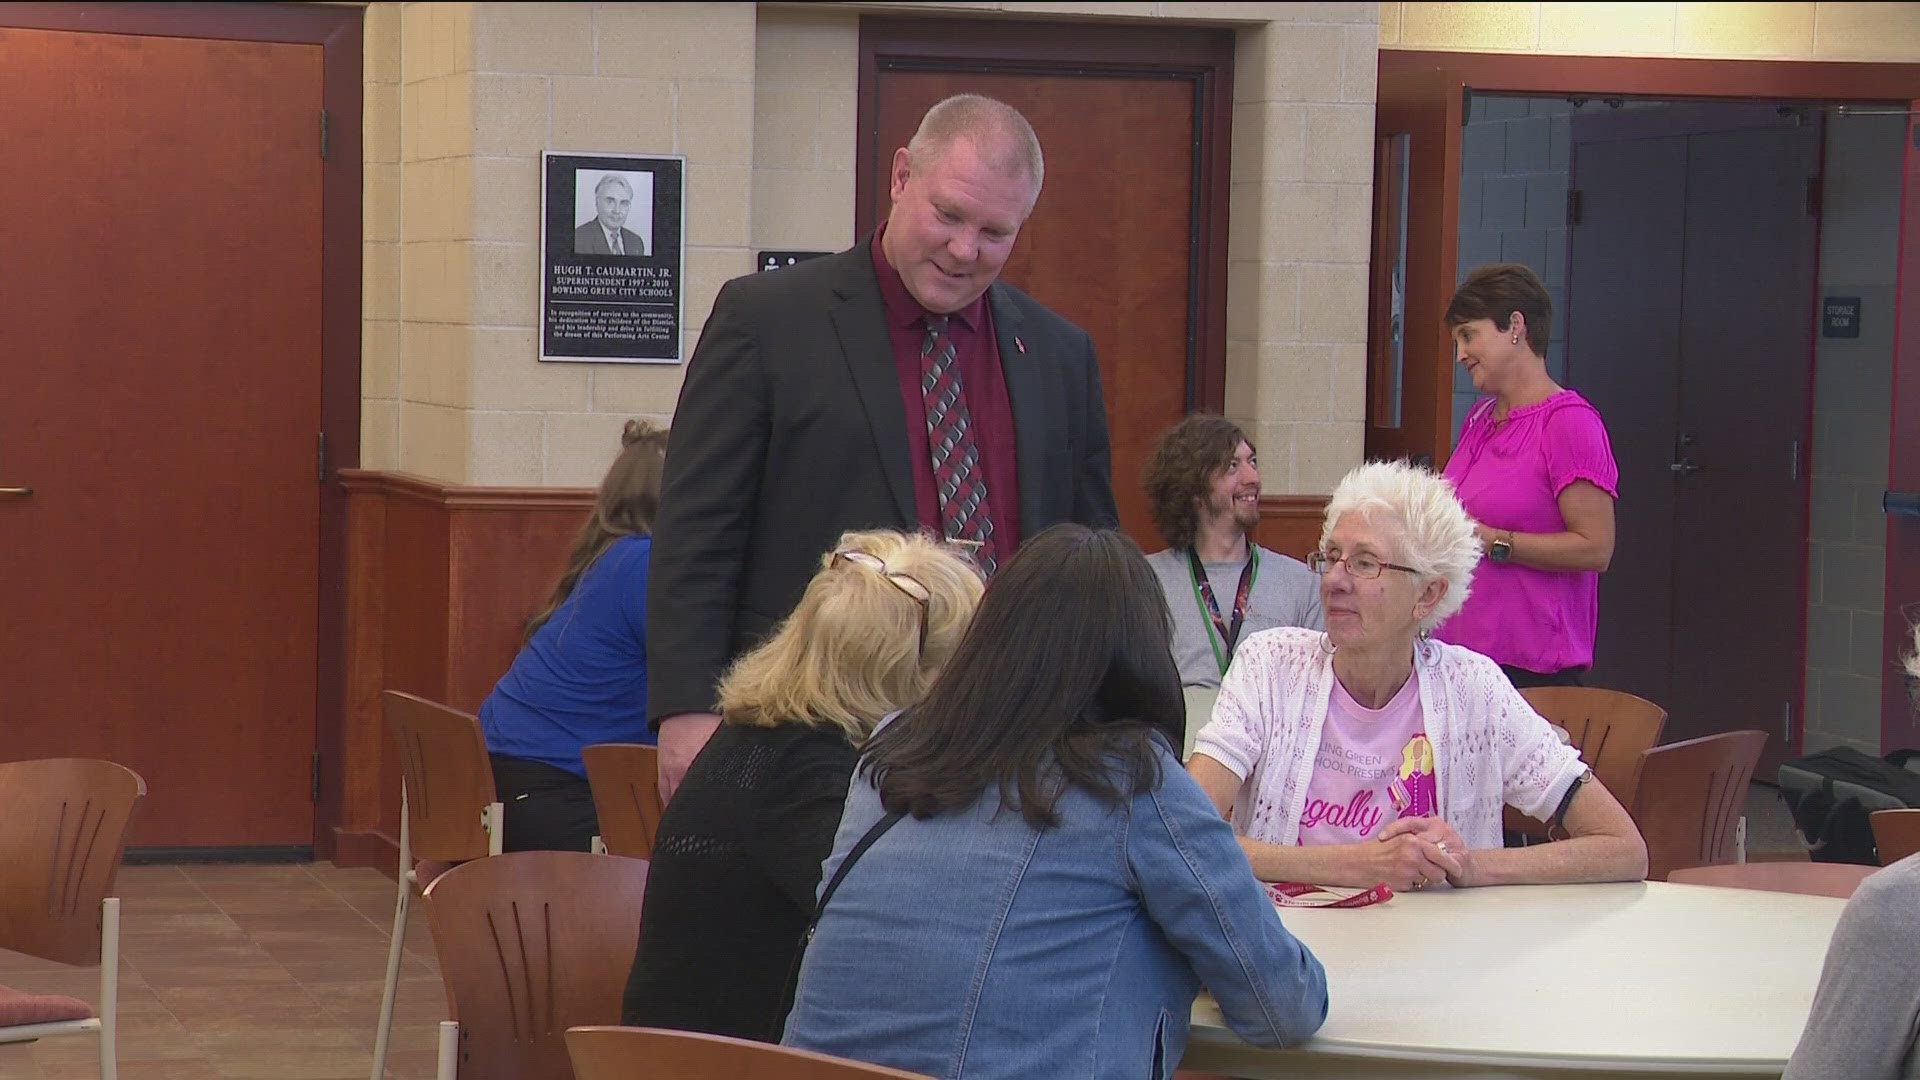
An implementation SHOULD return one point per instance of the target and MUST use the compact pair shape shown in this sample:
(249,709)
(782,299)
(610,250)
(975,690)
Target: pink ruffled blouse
(1510,477)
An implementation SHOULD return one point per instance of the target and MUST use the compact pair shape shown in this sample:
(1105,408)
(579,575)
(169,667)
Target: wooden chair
(63,830)
(531,943)
(1806,878)
(1689,799)
(1611,730)
(622,1053)
(448,814)
(625,778)
(1896,834)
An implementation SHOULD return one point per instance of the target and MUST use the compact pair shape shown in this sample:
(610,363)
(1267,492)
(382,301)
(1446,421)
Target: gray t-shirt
(1284,593)
(1866,1012)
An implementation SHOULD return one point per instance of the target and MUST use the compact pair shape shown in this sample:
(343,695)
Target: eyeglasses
(914,590)
(1360,566)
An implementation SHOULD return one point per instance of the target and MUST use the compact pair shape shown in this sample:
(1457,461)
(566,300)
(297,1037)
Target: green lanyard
(1220,635)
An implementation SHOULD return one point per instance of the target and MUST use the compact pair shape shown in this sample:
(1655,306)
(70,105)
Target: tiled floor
(254,972)
(273,973)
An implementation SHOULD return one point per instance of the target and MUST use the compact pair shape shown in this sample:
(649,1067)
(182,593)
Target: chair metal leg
(447,1066)
(396,948)
(494,820)
(109,986)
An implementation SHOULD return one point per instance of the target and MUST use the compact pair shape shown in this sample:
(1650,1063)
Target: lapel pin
(1021,345)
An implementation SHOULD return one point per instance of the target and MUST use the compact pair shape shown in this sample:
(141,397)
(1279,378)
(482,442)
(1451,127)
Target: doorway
(1738,631)
(1128,238)
(175,364)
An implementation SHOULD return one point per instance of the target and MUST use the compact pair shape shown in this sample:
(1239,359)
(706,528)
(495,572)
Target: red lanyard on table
(1289,893)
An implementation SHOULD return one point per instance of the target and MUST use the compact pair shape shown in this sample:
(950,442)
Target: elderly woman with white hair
(1371,753)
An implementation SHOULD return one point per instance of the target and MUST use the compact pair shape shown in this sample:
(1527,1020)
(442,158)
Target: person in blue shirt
(581,676)
(1025,882)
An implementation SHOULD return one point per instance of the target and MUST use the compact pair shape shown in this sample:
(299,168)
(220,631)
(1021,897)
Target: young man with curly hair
(1203,482)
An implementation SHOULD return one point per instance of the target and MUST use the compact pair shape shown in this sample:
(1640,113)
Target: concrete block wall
(1513,206)
(1852,387)
(760,98)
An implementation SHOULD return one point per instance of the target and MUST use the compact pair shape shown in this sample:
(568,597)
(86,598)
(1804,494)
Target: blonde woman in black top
(737,858)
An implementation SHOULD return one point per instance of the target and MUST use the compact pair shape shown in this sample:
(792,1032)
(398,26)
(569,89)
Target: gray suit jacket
(790,431)
(591,239)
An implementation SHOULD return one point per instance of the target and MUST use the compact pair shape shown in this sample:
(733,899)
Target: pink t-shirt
(1373,765)
(1510,477)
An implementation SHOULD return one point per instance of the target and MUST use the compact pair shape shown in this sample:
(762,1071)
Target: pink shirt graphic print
(1373,765)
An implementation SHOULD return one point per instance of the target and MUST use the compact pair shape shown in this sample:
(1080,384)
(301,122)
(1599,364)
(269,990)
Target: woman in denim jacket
(1056,889)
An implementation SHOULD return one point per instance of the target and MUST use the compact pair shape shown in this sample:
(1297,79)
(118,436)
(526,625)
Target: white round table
(1644,979)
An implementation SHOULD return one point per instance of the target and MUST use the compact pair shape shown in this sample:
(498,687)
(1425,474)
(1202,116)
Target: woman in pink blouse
(1535,470)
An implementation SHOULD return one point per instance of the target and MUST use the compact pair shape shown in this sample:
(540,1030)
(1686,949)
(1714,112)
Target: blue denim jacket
(971,945)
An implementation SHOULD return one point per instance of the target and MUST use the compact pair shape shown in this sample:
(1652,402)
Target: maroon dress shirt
(984,384)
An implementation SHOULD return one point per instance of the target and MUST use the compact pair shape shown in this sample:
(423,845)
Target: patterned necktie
(958,480)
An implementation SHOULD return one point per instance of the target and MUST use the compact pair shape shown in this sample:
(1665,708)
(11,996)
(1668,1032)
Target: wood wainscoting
(1290,524)
(441,579)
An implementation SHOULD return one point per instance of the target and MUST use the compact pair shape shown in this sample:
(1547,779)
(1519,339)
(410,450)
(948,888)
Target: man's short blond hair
(998,132)
(849,653)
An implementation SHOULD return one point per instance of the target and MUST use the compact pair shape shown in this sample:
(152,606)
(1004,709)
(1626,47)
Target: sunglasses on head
(915,591)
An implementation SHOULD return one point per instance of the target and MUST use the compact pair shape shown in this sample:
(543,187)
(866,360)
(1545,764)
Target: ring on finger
(1442,845)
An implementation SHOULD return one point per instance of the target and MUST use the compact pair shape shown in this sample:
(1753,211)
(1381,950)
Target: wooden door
(1128,239)
(1698,351)
(1900,696)
(1416,232)
(162,390)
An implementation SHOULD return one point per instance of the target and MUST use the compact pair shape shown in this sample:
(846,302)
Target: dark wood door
(162,397)
(1416,232)
(1699,355)
(1111,244)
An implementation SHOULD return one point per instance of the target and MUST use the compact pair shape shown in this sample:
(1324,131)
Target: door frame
(1201,55)
(1894,85)
(338,30)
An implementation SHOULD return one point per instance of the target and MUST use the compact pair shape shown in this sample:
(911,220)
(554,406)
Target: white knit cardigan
(1490,748)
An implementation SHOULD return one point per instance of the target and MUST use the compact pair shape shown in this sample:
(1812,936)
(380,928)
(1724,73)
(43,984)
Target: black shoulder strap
(806,936)
(879,829)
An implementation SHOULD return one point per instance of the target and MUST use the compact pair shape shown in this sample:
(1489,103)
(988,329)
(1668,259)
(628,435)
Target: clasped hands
(1419,851)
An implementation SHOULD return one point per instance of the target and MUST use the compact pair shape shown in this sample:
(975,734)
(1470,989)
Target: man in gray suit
(607,233)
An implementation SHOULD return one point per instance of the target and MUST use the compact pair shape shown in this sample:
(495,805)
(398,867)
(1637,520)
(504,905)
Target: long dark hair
(629,501)
(1066,671)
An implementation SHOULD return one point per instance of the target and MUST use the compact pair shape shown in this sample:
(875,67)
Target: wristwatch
(1501,549)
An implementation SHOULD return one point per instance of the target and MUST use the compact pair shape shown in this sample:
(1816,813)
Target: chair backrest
(1896,834)
(443,758)
(532,943)
(625,778)
(1689,799)
(1806,878)
(63,830)
(621,1053)
(1611,730)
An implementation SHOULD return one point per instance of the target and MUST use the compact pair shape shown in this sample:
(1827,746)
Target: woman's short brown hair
(1190,454)
(1496,292)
